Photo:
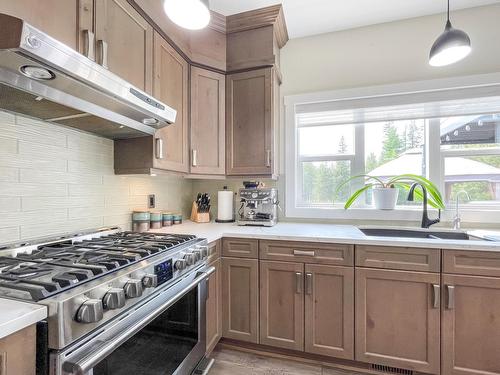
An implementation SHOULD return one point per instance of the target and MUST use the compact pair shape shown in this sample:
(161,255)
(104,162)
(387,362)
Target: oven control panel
(164,271)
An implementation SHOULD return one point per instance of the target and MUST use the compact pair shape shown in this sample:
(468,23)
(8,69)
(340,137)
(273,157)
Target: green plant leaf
(435,198)
(355,195)
(368,177)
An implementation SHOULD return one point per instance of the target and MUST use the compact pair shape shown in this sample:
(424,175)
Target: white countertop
(319,233)
(15,315)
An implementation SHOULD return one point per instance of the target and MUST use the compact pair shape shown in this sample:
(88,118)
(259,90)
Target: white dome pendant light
(451,46)
(189,14)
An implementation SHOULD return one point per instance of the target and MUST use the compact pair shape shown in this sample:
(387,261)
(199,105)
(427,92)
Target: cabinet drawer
(307,252)
(398,258)
(214,251)
(240,248)
(479,263)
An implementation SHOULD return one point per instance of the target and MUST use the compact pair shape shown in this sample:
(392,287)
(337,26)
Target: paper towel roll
(225,200)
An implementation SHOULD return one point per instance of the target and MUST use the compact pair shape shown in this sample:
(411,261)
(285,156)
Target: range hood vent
(45,79)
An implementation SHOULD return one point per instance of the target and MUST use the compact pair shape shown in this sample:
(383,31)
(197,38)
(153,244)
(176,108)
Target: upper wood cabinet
(251,122)
(329,310)
(171,85)
(282,304)
(470,325)
(73,18)
(124,42)
(398,319)
(208,122)
(240,293)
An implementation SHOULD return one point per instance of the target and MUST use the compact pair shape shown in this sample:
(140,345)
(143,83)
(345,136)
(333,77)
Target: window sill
(490,215)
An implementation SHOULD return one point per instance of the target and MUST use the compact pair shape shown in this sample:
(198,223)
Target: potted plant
(385,193)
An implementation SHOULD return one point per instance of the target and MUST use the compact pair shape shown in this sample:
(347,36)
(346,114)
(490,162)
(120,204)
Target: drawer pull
(298,282)
(303,253)
(309,283)
(450,302)
(435,296)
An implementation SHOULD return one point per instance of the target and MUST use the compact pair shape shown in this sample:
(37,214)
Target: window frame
(478,85)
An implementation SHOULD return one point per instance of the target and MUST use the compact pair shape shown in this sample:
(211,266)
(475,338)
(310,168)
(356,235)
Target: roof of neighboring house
(457,168)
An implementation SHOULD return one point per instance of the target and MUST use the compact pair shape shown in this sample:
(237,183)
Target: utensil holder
(199,217)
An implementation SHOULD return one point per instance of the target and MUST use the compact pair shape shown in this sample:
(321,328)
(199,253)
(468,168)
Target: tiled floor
(231,362)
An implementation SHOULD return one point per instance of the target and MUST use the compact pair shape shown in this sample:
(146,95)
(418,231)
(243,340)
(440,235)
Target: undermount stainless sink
(415,233)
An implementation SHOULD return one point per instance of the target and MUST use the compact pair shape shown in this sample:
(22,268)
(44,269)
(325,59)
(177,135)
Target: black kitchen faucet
(426,222)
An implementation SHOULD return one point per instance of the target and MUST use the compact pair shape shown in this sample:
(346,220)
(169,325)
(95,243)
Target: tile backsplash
(55,180)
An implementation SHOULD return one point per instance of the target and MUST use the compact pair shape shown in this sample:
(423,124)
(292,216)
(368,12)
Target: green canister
(168,219)
(177,219)
(141,221)
(156,220)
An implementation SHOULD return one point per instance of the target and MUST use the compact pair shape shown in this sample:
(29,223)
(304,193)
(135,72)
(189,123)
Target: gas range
(87,280)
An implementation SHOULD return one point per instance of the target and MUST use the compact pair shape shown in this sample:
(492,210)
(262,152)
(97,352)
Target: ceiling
(310,17)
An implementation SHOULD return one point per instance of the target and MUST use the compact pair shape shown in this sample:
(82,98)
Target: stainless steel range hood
(43,78)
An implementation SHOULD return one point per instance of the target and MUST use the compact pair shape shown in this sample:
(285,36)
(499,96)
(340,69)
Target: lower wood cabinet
(18,352)
(240,293)
(398,319)
(214,307)
(307,307)
(282,304)
(470,325)
(329,310)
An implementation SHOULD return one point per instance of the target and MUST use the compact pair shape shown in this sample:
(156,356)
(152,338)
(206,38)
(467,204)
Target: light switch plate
(151,201)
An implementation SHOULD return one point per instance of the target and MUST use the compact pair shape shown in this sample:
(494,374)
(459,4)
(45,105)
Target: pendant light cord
(448,10)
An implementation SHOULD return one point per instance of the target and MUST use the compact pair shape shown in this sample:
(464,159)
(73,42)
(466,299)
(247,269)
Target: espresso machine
(258,206)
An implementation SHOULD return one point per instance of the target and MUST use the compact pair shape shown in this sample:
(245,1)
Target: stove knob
(113,299)
(133,288)
(197,255)
(190,260)
(90,311)
(180,264)
(150,281)
(204,251)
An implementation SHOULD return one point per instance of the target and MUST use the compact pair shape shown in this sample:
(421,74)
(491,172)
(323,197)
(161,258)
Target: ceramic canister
(168,219)
(141,221)
(156,220)
(177,219)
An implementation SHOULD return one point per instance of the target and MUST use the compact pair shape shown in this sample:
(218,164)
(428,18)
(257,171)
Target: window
(453,142)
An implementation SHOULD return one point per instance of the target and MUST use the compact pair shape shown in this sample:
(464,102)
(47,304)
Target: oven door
(164,335)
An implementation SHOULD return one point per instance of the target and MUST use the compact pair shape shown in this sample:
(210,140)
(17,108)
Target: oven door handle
(85,364)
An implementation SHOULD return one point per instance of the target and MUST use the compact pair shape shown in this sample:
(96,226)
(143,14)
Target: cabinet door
(208,122)
(124,42)
(214,307)
(470,325)
(171,79)
(249,116)
(398,319)
(282,304)
(329,311)
(18,352)
(240,293)
(73,17)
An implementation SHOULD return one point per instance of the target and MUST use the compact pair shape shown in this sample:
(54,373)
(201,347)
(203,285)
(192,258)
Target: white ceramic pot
(385,198)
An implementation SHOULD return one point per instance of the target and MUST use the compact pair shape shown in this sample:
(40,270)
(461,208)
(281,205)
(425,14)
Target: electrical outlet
(151,201)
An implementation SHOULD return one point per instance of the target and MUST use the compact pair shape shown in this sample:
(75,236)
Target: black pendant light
(451,46)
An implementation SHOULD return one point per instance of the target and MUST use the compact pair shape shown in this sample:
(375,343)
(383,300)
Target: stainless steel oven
(165,334)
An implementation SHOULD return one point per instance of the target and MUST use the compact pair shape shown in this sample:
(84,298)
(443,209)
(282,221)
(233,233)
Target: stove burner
(53,268)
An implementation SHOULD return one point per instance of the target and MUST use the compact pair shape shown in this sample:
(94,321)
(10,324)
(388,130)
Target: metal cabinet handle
(268,158)
(309,283)
(450,302)
(303,253)
(89,44)
(103,55)
(194,158)
(298,282)
(159,148)
(435,296)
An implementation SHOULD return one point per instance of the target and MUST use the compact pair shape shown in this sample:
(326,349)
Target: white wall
(388,53)
(55,180)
